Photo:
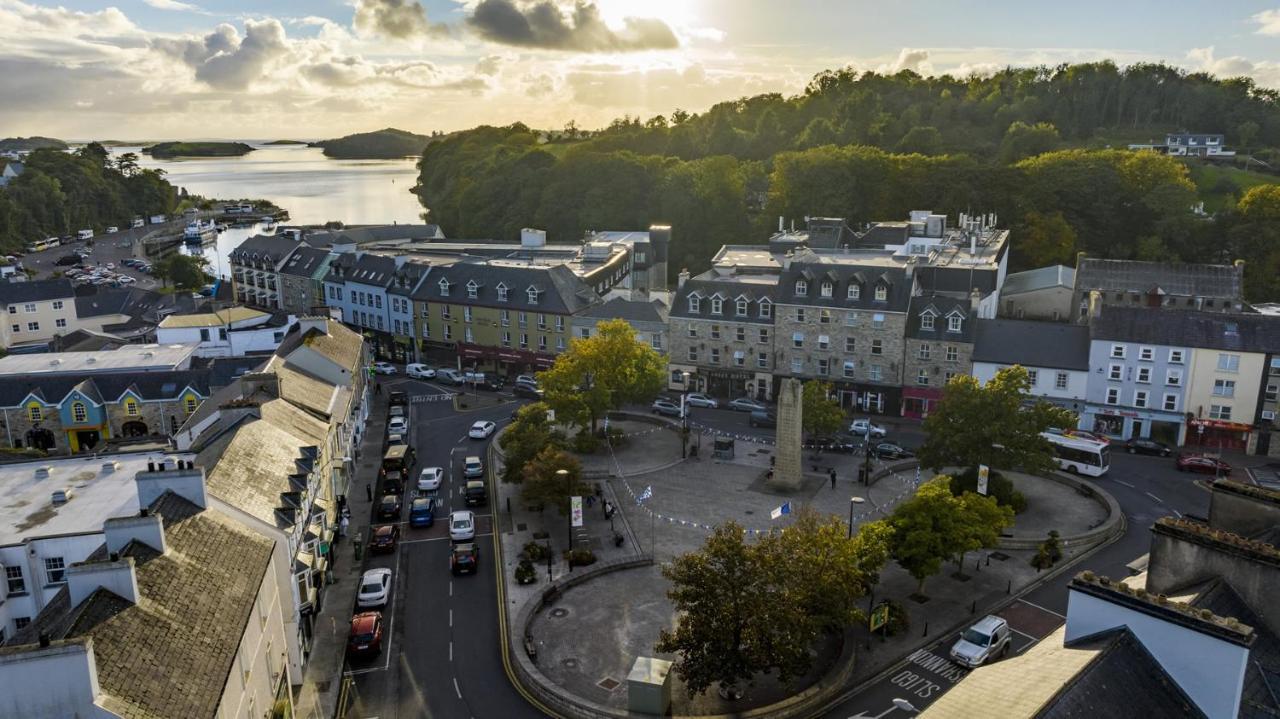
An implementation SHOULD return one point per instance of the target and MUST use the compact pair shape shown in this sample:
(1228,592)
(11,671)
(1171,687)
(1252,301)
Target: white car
(462,526)
(862,427)
(375,588)
(419,371)
(429,479)
(482,429)
(398,425)
(697,399)
(384,368)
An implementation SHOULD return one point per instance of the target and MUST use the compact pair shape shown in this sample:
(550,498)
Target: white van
(84,235)
(112,230)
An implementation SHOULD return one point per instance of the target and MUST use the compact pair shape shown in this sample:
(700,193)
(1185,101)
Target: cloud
(908,59)
(172,5)
(1268,22)
(542,24)
(225,61)
(399,19)
(1204,59)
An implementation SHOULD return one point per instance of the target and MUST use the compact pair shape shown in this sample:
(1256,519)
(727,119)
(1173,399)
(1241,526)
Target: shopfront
(729,384)
(1215,434)
(1126,423)
(919,402)
(868,398)
(504,361)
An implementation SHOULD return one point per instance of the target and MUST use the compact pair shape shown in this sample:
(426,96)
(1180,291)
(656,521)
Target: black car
(763,418)
(67,260)
(1137,445)
(522,389)
(465,558)
(893,450)
(838,443)
(389,507)
(398,398)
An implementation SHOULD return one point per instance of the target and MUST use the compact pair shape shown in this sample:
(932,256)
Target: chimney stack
(187,482)
(117,577)
(144,527)
(975,298)
(682,278)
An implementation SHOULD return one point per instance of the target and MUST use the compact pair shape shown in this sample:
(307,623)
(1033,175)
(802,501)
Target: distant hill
(385,144)
(197,149)
(27,144)
(286,142)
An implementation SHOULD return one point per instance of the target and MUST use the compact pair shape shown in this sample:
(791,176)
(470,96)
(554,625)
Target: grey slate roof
(1039,279)
(171,654)
(708,284)
(105,387)
(630,310)
(815,270)
(377,233)
(560,291)
(362,268)
(269,248)
(1031,344)
(942,307)
(1189,328)
(35,291)
(1262,676)
(304,261)
(1122,679)
(1173,278)
(137,303)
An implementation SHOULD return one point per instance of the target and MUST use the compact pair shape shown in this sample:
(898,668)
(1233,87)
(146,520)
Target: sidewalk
(322,676)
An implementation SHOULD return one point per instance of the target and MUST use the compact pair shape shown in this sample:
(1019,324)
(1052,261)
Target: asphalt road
(443,659)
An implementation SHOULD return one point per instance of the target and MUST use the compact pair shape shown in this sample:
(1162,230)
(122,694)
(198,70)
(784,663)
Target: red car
(1203,465)
(384,538)
(1091,436)
(365,638)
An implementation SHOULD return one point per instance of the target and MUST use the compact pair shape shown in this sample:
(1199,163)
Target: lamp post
(852,502)
(684,418)
(564,474)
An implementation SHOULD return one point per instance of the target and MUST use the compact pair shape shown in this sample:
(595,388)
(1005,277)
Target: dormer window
(742,308)
(502,292)
(926,321)
(444,287)
(826,289)
(953,323)
(532,292)
(882,293)
(473,289)
(695,304)
(766,308)
(855,292)
(717,305)
(802,288)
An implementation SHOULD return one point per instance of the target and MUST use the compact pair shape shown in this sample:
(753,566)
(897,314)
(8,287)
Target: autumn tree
(529,434)
(820,414)
(992,424)
(602,372)
(542,486)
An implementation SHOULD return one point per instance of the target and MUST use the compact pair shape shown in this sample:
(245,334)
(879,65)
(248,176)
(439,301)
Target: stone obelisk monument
(786,471)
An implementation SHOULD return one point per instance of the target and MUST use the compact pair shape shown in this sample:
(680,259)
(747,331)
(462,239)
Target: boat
(197,232)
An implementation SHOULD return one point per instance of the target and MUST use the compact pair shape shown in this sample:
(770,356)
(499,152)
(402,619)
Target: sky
(310,69)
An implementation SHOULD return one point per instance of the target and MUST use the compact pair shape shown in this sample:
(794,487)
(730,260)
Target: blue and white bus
(1079,456)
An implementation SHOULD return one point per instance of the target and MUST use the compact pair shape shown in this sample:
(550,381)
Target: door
(1137,429)
(87,439)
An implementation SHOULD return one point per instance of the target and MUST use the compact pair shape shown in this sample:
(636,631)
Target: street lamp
(684,418)
(564,474)
(852,502)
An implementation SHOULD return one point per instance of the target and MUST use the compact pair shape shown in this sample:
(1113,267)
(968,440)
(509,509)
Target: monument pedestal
(649,686)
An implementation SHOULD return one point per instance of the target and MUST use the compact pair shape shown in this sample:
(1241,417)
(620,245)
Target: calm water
(313,188)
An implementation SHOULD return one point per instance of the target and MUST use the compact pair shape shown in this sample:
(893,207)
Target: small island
(166,150)
(286,142)
(30,144)
(388,144)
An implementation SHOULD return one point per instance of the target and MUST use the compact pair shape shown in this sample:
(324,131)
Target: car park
(893,450)
(482,429)
(1202,464)
(863,427)
(398,425)
(429,479)
(762,418)
(462,525)
(666,407)
(419,371)
(697,399)
(474,493)
(1138,445)
(526,391)
(982,642)
(365,635)
(375,588)
(384,538)
(464,559)
(384,368)
(389,507)
(422,512)
(746,404)
(472,467)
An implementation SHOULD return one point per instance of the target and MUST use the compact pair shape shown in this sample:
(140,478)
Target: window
(1060,380)
(875,373)
(717,306)
(131,407)
(1175,356)
(21,622)
(559,323)
(764,336)
(825,290)
(426,331)
(79,413)
(1140,398)
(739,358)
(1272,393)
(1228,363)
(926,322)
(848,368)
(824,317)
(448,332)
(29,307)
(542,321)
(1224,388)
(466,314)
(1117,351)
(693,354)
(522,319)
(14,581)
(1116,372)
(33,326)
(824,366)
(13,309)
(60,322)
(1033,376)
(802,288)
(502,292)
(473,290)
(1170,402)
(877,347)
(426,310)
(1173,378)
(506,339)
(850,343)
(740,334)
(191,404)
(16,328)
(855,292)
(656,341)
(446,312)
(524,340)
(467,336)
(377,301)
(953,323)
(542,342)
(882,293)
(766,309)
(947,377)
(824,342)
(379,323)
(55,570)
(504,318)
(797,365)
(877,321)
(741,308)
(532,294)
(693,331)
(923,352)
(560,344)
(695,304)
(1113,395)
(797,340)
(799,314)
(762,360)
(57,304)
(953,353)
(850,319)
(715,332)
(1219,411)
(1146,354)
(1144,375)
(922,376)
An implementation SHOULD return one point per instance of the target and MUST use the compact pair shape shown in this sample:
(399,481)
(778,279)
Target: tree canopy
(602,372)
(934,525)
(524,438)
(543,486)
(819,413)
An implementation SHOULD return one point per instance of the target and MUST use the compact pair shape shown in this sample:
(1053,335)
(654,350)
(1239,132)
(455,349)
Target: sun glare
(676,13)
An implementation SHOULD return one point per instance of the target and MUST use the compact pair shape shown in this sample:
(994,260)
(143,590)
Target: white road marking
(450,650)
(1121,481)
(1037,606)
(418,541)
(1028,636)
(1178,513)
(1158,500)
(451,587)
(456,690)
(450,617)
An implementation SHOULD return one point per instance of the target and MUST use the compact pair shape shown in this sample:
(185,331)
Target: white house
(232,332)
(1055,355)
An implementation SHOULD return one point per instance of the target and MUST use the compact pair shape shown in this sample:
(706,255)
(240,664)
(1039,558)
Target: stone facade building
(721,335)
(939,346)
(1168,285)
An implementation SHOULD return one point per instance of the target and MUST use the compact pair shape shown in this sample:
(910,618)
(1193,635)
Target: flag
(779,511)
(647,493)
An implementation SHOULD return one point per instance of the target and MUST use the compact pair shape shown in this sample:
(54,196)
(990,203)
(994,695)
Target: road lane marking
(456,690)
(450,650)
(450,619)
(1028,636)
(417,541)
(1121,481)
(451,587)
(1158,500)
(1037,606)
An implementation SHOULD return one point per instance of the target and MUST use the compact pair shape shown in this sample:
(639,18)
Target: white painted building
(1055,355)
(233,332)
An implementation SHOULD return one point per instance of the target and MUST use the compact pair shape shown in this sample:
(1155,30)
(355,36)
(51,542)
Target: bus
(1079,456)
(42,245)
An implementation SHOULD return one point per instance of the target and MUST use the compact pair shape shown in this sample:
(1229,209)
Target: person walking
(368,491)
(833,478)
(342,526)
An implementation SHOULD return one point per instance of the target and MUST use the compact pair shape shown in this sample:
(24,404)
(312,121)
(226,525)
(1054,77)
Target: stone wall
(936,366)
(1243,509)
(837,329)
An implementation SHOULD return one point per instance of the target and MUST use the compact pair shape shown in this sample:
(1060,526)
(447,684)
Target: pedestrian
(833,478)
(342,526)
(377,387)
(368,491)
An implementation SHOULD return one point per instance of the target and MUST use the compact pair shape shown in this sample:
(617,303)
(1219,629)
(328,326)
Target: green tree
(922,140)
(524,438)
(542,485)
(1022,140)
(926,529)
(602,372)
(1245,133)
(186,272)
(981,521)
(820,414)
(991,424)
(1046,240)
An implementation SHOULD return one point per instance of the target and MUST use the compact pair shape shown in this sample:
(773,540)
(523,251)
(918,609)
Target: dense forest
(388,144)
(166,150)
(1042,147)
(61,192)
(27,144)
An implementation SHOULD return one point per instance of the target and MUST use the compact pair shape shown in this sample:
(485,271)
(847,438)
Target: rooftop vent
(109,467)
(43,471)
(61,496)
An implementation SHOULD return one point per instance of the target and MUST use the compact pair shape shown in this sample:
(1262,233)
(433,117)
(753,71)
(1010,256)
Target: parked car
(762,418)
(474,493)
(450,376)
(482,429)
(472,467)
(526,379)
(1091,436)
(838,443)
(893,450)
(1138,445)
(746,404)
(398,398)
(384,538)
(398,425)
(462,525)
(697,399)
(464,559)
(982,642)
(389,507)
(1202,464)
(422,512)
(375,588)
(419,371)
(429,479)
(67,260)
(394,439)
(384,368)
(862,427)
(662,406)
(365,636)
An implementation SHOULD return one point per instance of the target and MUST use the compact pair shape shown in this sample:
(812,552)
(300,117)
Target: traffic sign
(879,616)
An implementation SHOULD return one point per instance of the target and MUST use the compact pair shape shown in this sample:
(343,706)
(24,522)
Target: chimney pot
(151,466)
(44,639)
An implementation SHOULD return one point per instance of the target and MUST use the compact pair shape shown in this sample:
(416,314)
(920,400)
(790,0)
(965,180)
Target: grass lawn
(1220,185)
